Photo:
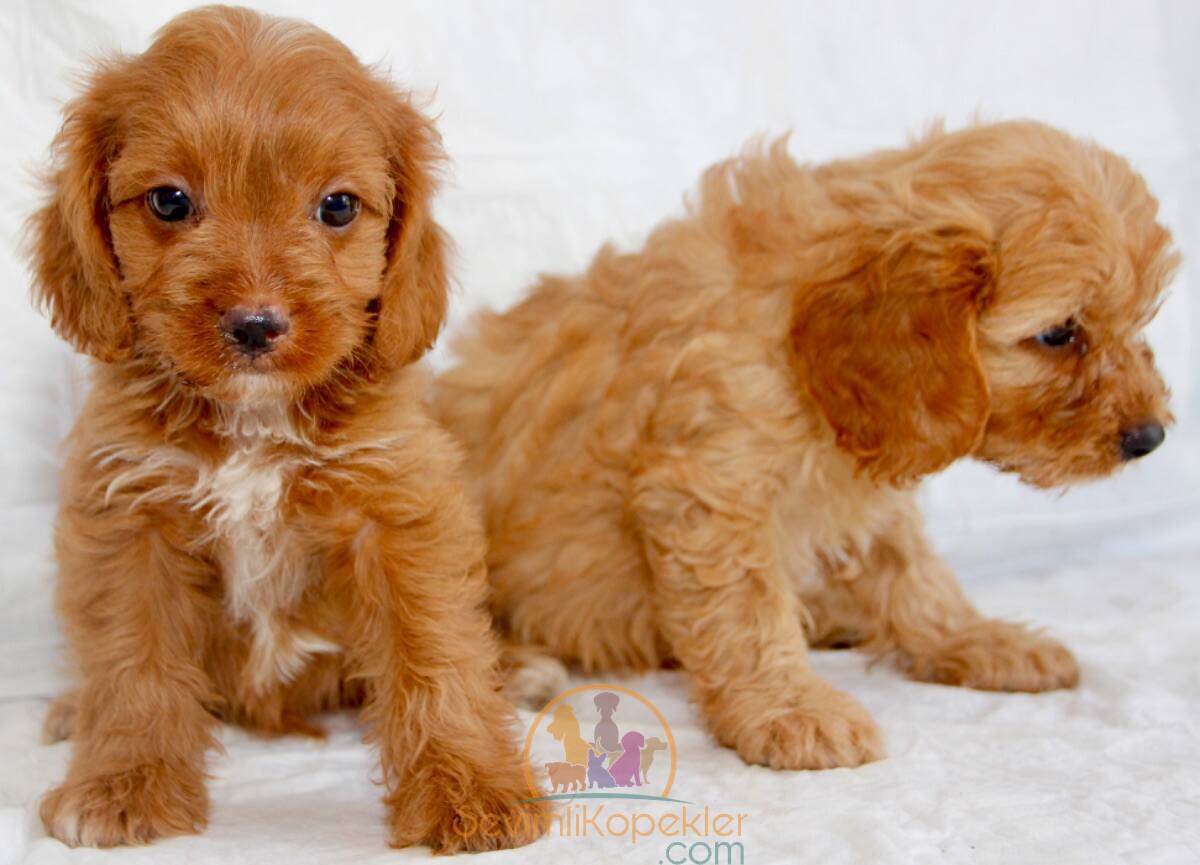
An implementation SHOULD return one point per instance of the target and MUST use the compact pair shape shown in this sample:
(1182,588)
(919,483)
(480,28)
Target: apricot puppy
(259,521)
(707,450)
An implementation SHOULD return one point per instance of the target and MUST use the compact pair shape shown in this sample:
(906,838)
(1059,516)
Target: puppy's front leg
(914,606)
(412,568)
(733,621)
(136,608)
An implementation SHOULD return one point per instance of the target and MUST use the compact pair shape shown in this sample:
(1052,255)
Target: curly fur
(705,451)
(260,540)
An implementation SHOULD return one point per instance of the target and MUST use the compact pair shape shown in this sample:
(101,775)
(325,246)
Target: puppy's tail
(532,677)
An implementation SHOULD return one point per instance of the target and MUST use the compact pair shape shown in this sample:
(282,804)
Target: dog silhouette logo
(607,756)
(565,728)
(606,703)
(630,739)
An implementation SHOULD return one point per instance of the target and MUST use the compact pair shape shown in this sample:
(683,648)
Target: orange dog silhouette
(652,744)
(565,728)
(566,777)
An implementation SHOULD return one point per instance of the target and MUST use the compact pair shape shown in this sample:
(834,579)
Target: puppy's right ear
(75,271)
(886,346)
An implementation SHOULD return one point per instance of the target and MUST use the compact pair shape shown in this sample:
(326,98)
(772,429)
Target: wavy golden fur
(260,538)
(705,450)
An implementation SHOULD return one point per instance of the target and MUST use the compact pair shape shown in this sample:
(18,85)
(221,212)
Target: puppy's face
(1074,390)
(252,253)
(997,312)
(246,205)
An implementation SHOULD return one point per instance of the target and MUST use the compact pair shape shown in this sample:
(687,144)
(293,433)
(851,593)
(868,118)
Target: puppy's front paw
(129,806)
(998,656)
(460,814)
(817,728)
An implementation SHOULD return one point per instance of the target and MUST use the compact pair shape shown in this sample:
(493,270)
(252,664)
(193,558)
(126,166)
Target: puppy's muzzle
(254,331)
(1140,440)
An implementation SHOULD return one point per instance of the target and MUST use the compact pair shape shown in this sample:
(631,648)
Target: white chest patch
(242,499)
(264,568)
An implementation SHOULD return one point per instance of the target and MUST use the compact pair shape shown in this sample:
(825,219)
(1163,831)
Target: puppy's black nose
(1142,439)
(253,331)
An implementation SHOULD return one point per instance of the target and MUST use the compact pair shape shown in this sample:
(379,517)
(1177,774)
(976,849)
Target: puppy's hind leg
(835,617)
(918,611)
(59,723)
(532,676)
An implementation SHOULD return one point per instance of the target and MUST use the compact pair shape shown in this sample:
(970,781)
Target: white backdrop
(569,123)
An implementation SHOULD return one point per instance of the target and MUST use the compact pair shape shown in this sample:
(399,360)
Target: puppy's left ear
(886,347)
(414,296)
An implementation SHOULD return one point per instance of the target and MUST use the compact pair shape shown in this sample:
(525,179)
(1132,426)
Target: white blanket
(1109,773)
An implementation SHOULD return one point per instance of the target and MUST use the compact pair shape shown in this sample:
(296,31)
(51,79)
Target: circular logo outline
(527,764)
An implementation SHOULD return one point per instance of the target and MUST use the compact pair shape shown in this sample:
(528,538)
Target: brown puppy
(706,450)
(259,521)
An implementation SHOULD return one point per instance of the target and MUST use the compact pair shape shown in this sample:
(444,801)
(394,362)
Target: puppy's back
(528,382)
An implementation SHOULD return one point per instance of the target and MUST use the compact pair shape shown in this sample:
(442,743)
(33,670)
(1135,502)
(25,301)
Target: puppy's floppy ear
(886,348)
(414,296)
(76,276)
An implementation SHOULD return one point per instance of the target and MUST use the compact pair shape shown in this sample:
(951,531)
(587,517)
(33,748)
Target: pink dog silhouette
(627,770)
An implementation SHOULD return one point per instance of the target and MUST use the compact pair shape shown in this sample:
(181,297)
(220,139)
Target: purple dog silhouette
(627,770)
(597,775)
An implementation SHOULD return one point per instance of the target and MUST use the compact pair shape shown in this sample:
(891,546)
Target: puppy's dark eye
(169,204)
(338,209)
(1057,337)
